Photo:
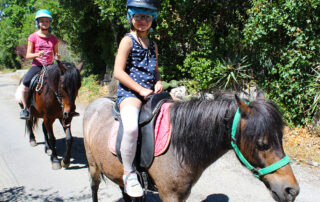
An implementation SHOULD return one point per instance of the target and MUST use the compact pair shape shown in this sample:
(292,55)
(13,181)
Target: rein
(43,71)
(256,172)
(40,81)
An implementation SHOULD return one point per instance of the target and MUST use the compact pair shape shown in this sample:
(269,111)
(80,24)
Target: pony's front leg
(52,144)
(47,149)
(32,139)
(69,139)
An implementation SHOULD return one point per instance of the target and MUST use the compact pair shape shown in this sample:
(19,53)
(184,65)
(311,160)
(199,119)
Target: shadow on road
(20,194)
(78,155)
(211,198)
(217,198)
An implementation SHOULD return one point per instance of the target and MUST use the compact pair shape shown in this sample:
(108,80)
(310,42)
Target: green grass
(6,70)
(91,90)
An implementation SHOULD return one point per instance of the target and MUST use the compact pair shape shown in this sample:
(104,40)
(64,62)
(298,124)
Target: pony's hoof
(56,166)
(33,143)
(65,165)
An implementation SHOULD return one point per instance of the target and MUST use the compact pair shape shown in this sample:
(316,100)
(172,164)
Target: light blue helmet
(43,13)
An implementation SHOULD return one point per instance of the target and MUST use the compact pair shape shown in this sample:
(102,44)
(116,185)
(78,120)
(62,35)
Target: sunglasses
(148,18)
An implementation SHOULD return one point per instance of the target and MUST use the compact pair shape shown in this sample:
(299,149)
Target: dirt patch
(302,146)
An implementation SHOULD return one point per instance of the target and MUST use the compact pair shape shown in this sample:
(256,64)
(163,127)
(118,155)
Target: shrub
(282,42)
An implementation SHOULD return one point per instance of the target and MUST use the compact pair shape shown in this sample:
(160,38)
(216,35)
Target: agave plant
(232,73)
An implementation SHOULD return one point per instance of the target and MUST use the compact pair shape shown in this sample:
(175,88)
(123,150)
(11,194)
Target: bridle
(40,82)
(256,172)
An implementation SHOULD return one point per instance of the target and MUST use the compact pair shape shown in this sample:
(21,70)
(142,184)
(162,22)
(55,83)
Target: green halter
(257,172)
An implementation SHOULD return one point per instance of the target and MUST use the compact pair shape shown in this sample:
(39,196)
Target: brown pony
(201,133)
(55,99)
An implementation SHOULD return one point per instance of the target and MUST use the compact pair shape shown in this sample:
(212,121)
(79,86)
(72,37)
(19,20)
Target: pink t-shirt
(43,43)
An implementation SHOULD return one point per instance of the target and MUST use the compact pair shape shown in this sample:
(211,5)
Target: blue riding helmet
(147,4)
(134,11)
(43,13)
(146,7)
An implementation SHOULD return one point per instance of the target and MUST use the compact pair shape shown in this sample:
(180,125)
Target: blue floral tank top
(141,64)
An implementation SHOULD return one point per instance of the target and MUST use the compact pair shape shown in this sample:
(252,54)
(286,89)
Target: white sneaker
(131,185)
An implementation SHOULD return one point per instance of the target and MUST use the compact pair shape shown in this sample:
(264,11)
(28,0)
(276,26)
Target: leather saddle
(147,118)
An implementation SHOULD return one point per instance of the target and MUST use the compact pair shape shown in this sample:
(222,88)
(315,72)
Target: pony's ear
(244,109)
(80,65)
(260,95)
(61,66)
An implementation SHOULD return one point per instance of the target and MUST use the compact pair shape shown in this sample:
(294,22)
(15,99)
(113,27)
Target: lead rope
(42,73)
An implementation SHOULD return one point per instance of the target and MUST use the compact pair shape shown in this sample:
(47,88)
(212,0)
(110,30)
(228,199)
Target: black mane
(201,128)
(71,79)
(265,121)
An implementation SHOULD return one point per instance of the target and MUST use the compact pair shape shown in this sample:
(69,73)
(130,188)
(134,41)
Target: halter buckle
(256,172)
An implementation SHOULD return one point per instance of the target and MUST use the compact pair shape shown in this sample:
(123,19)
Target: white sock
(129,116)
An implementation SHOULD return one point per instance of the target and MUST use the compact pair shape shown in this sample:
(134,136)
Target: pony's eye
(262,146)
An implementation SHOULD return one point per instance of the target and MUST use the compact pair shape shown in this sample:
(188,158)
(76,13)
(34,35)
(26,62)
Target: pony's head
(70,82)
(259,139)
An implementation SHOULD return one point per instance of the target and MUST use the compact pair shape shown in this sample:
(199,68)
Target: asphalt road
(26,174)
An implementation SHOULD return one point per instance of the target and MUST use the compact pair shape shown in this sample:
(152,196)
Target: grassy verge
(5,70)
(91,90)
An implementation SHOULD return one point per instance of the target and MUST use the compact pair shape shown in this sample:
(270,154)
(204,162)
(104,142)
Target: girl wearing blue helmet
(41,47)
(136,68)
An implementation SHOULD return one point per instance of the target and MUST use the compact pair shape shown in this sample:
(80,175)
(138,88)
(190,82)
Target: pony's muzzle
(286,194)
(67,115)
(291,193)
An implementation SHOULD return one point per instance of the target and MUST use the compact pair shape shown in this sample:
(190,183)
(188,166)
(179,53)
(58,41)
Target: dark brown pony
(55,100)
(201,133)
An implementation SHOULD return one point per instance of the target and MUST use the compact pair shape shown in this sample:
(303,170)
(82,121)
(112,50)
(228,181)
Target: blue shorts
(121,98)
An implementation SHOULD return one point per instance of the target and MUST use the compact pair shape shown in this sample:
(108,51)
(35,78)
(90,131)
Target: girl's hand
(158,87)
(40,53)
(145,92)
(57,56)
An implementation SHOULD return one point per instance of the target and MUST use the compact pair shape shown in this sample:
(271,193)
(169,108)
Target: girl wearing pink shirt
(41,47)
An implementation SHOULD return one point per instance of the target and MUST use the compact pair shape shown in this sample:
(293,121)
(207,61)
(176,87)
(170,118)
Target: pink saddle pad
(162,132)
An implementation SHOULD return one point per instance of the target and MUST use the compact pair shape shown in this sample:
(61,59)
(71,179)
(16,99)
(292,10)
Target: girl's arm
(120,65)
(30,54)
(158,86)
(56,51)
